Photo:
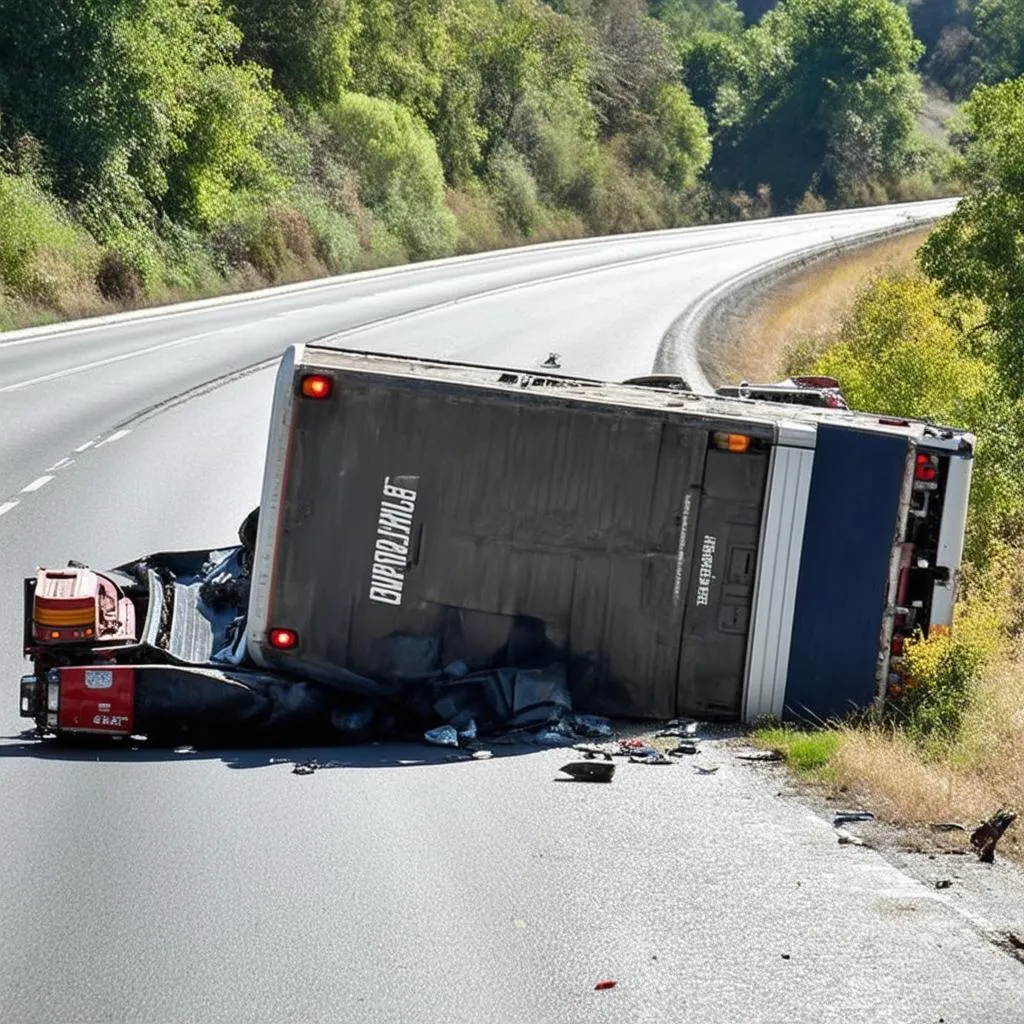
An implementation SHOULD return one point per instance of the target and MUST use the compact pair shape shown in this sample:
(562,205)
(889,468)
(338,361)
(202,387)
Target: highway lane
(220,887)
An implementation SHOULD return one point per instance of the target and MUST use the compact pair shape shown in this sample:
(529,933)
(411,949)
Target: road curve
(397,887)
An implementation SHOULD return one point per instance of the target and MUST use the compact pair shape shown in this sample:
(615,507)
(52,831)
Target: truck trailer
(436,536)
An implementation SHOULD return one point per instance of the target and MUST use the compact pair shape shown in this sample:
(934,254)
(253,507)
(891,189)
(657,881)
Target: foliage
(978,251)
(42,253)
(809,753)
(187,146)
(401,178)
(306,44)
(904,351)
(842,71)
(941,672)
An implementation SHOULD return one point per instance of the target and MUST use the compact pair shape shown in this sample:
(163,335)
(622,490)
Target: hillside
(157,149)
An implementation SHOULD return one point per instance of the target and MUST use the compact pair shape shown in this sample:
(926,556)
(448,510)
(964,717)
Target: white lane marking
(83,447)
(59,465)
(60,374)
(6,507)
(40,481)
(113,437)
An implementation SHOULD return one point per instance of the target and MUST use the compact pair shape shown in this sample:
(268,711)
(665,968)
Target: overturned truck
(495,550)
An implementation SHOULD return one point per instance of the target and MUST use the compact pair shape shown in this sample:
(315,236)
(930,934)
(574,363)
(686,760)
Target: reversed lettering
(391,545)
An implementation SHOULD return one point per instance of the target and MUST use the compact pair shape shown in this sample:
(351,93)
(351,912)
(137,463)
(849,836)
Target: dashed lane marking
(60,465)
(116,436)
(7,506)
(40,481)
(84,447)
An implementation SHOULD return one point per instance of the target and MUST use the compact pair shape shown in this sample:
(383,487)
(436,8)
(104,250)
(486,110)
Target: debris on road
(589,771)
(761,755)
(684,749)
(947,826)
(592,750)
(849,839)
(650,756)
(986,835)
(442,736)
(701,769)
(603,986)
(846,817)
(482,755)
(592,725)
(943,883)
(631,746)
(553,360)
(308,767)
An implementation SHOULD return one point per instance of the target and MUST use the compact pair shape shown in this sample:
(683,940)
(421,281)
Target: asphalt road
(398,887)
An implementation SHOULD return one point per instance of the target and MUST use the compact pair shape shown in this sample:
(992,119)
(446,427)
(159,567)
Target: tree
(977,251)
(675,143)
(114,89)
(685,19)
(999,26)
(822,72)
(306,43)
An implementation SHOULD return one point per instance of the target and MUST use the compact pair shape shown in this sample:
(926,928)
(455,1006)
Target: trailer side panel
(849,532)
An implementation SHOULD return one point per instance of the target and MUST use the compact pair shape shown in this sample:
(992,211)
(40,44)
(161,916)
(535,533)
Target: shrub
(117,279)
(44,256)
(941,672)
(400,174)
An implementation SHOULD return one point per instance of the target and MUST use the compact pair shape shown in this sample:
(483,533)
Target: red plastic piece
(601,986)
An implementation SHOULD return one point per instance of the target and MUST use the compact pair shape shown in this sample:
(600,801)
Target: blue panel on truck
(844,571)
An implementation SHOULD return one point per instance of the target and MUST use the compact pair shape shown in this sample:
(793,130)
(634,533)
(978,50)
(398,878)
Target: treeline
(152,149)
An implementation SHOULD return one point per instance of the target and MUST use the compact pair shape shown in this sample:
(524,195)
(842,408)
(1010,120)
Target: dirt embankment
(751,338)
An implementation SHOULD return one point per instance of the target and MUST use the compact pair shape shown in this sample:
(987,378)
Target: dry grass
(807,306)
(981,772)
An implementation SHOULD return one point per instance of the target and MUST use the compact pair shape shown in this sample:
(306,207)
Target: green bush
(400,176)
(941,672)
(904,350)
(44,256)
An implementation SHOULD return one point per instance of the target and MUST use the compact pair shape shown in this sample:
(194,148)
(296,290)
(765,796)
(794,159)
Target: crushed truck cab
(440,543)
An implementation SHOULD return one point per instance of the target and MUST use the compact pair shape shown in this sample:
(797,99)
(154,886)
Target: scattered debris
(943,883)
(947,826)
(678,730)
(303,769)
(701,769)
(845,817)
(592,750)
(482,755)
(553,360)
(185,750)
(985,837)
(442,736)
(589,771)
(761,755)
(849,839)
(650,756)
(631,746)
(602,986)
(684,748)
(1013,940)
(518,923)
(591,725)
(786,956)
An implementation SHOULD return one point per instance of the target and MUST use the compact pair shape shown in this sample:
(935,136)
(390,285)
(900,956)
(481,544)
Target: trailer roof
(787,418)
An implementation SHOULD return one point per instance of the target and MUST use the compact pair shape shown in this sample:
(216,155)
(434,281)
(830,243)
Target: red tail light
(925,470)
(284,639)
(316,385)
